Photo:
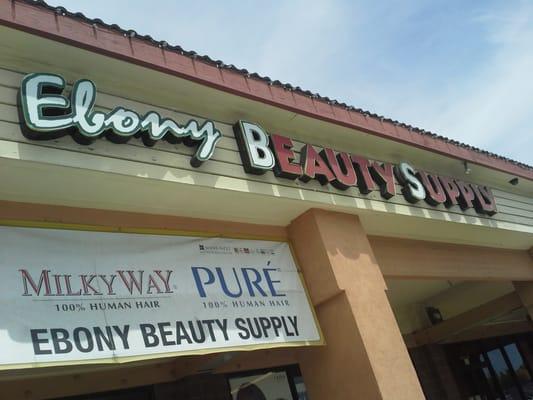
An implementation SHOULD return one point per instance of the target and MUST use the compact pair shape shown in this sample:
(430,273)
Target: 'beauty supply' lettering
(261,152)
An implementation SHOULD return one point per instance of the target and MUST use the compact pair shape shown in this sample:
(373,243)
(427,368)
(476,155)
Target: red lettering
(342,168)
(484,201)
(69,287)
(57,280)
(282,149)
(364,180)
(466,196)
(44,279)
(451,189)
(314,167)
(152,284)
(435,193)
(132,281)
(383,175)
(86,284)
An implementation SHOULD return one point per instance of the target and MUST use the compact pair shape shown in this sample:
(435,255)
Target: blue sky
(462,69)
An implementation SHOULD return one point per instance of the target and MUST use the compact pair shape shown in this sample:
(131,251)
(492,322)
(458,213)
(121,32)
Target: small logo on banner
(235,250)
(247,250)
(214,249)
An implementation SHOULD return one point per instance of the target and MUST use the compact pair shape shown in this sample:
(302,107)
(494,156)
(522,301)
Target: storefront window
(504,375)
(520,369)
(492,369)
(490,381)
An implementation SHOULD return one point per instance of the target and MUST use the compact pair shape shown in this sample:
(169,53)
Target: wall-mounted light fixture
(434,315)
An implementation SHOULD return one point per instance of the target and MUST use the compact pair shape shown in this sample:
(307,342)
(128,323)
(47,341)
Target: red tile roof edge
(56,23)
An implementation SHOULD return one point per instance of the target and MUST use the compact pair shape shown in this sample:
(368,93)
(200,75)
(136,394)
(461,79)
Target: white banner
(72,296)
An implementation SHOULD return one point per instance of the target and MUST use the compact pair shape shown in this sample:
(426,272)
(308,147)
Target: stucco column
(365,356)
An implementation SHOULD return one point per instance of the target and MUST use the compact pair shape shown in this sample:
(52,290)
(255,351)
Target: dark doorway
(493,369)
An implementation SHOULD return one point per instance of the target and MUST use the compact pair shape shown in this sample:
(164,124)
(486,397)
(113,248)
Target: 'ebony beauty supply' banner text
(70,296)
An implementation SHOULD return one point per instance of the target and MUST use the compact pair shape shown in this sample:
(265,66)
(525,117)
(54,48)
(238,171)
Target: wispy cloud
(492,107)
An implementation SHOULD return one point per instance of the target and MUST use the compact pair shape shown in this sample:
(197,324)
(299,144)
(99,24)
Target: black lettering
(123,335)
(101,338)
(209,323)
(89,345)
(200,337)
(60,337)
(285,327)
(243,332)
(165,333)
(181,333)
(265,325)
(223,327)
(37,341)
(255,334)
(149,337)
(294,323)
(276,324)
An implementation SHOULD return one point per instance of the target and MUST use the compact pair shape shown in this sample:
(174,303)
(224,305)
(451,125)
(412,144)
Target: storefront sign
(47,114)
(73,296)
